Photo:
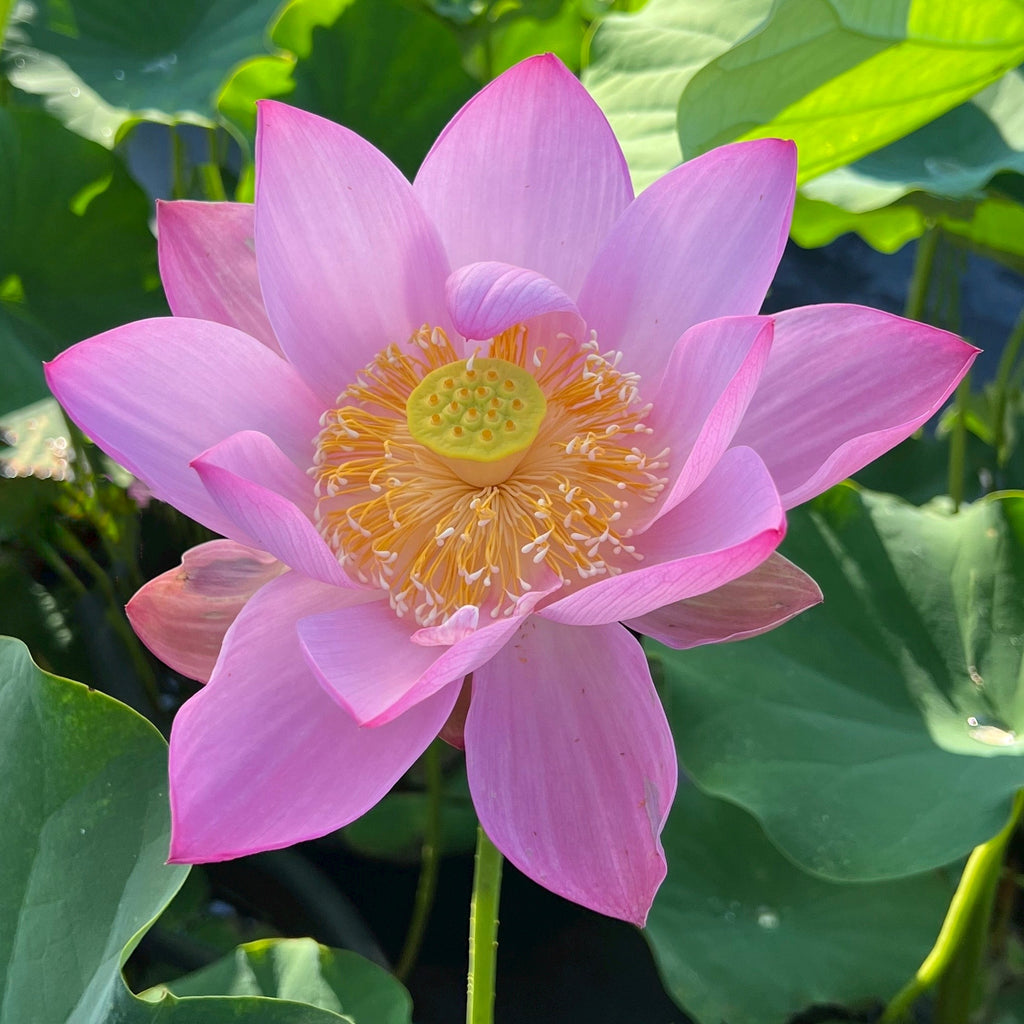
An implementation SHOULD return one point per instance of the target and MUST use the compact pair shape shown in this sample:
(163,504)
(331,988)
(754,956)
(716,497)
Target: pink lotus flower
(478,425)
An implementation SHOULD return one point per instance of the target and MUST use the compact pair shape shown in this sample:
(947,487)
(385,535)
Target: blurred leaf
(82,872)
(843,78)
(76,241)
(37,444)
(953,157)
(641,63)
(305,972)
(102,64)
(393,829)
(389,72)
(816,223)
(816,727)
(731,899)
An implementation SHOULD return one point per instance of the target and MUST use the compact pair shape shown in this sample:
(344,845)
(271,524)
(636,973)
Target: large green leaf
(83,781)
(82,873)
(817,727)
(76,253)
(303,971)
(640,63)
(842,77)
(103,64)
(953,157)
(731,900)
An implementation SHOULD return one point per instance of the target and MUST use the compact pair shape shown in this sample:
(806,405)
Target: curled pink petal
(844,384)
(333,308)
(571,764)
(485,299)
(365,659)
(528,173)
(262,757)
(764,598)
(673,260)
(157,393)
(208,265)
(725,528)
(710,379)
(183,614)
(269,498)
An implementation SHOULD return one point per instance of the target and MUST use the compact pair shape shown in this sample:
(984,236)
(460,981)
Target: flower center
(451,482)
(480,416)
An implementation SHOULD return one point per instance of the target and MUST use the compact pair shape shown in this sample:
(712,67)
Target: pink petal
(453,732)
(262,757)
(485,299)
(365,658)
(700,243)
(183,614)
(269,498)
(348,260)
(844,384)
(157,393)
(528,173)
(208,265)
(724,529)
(759,601)
(711,377)
(571,764)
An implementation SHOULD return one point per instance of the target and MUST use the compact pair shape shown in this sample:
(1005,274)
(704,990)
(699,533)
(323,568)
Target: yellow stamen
(402,511)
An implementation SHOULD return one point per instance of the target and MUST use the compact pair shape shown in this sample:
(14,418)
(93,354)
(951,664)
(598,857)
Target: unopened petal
(571,764)
(753,604)
(844,384)
(183,614)
(262,757)
(528,173)
(208,265)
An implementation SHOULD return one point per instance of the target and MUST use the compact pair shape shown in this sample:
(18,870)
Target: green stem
(483,931)
(969,910)
(53,559)
(958,444)
(78,551)
(179,189)
(1002,387)
(430,860)
(213,183)
(924,262)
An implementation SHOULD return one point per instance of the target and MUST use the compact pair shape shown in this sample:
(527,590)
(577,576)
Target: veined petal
(710,379)
(262,757)
(156,393)
(529,173)
(844,384)
(183,614)
(271,500)
(348,261)
(724,529)
(208,265)
(571,764)
(702,242)
(485,299)
(759,601)
(365,658)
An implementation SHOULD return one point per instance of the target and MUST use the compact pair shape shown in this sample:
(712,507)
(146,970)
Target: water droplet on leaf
(767,918)
(990,731)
